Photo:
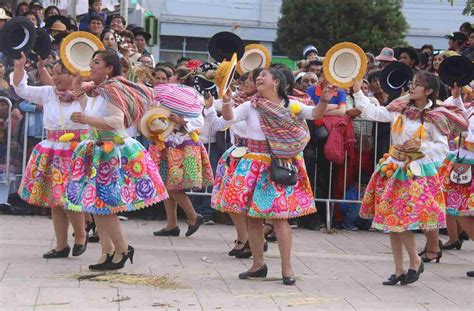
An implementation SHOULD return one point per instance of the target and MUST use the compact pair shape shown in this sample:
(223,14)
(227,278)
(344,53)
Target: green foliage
(372,24)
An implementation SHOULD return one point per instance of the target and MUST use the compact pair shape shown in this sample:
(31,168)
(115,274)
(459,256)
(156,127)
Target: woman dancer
(111,172)
(405,192)
(46,175)
(459,192)
(247,188)
(183,162)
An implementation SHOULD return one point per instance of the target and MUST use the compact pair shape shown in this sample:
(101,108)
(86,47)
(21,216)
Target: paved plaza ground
(341,271)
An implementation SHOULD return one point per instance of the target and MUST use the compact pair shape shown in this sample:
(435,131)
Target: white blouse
(56,114)
(248,114)
(114,117)
(434,146)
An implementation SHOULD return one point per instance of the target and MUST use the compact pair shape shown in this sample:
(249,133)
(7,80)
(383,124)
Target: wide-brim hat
(224,75)
(394,77)
(164,126)
(343,63)
(43,43)
(456,69)
(77,49)
(18,35)
(141,31)
(386,55)
(255,56)
(3,14)
(224,44)
(410,51)
(205,86)
(50,21)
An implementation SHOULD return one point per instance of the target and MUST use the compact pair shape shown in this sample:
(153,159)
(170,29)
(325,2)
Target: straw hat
(225,74)
(343,63)
(3,14)
(255,56)
(77,49)
(155,123)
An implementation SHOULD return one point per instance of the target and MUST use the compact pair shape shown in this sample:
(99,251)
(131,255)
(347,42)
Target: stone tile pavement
(340,271)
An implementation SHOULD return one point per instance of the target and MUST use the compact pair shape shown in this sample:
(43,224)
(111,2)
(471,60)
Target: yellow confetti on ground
(310,301)
(132,279)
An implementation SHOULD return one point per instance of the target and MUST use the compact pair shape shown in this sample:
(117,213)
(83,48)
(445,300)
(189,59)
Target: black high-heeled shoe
(425,257)
(245,252)
(193,228)
(234,251)
(456,245)
(440,244)
(79,249)
(94,237)
(289,280)
(102,266)
(393,280)
(259,273)
(125,256)
(53,254)
(414,275)
(463,236)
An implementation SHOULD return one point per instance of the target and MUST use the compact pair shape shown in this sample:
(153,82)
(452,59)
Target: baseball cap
(456,36)
(35,3)
(300,76)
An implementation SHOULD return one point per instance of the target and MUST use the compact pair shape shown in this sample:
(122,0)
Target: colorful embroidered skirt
(459,198)
(242,186)
(46,174)
(401,202)
(183,167)
(108,178)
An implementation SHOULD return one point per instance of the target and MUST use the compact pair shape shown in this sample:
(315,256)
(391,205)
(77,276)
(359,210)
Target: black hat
(224,44)
(394,77)
(141,31)
(48,23)
(35,3)
(18,35)
(410,51)
(205,86)
(43,43)
(456,69)
(457,36)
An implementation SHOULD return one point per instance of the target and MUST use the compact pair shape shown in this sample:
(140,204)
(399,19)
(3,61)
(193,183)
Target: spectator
(146,60)
(337,104)
(108,39)
(182,61)
(95,9)
(118,23)
(469,51)
(316,66)
(428,49)
(466,29)
(424,61)
(371,62)
(141,39)
(51,10)
(408,56)
(21,9)
(96,25)
(456,41)
(160,75)
(385,57)
(3,18)
(298,79)
(309,79)
(33,18)
(310,53)
(37,8)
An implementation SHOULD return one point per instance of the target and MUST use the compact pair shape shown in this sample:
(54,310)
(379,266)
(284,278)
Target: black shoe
(245,252)
(125,256)
(463,236)
(234,251)
(456,245)
(393,279)
(289,280)
(260,273)
(52,254)
(193,228)
(79,249)
(414,275)
(163,232)
(440,244)
(102,266)
(425,257)
(470,274)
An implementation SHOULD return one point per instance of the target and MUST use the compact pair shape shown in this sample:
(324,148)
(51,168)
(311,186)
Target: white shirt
(434,146)
(56,114)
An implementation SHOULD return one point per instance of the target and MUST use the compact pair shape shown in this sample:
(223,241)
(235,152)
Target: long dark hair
(281,90)
(288,74)
(110,58)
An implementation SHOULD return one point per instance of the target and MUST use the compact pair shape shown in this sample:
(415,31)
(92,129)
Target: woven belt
(258,146)
(53,135)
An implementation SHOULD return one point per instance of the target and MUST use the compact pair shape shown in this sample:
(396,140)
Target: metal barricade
(5,178)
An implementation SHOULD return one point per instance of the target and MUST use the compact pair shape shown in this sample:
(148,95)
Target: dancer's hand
(79,117)
(177,119)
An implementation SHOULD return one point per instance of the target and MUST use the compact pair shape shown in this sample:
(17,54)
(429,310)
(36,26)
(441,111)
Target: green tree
(372,24)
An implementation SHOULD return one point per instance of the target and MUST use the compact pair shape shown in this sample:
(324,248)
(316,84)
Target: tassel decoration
(397,126)
(420,133)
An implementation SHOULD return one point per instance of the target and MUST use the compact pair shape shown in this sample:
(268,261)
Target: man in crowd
(456,41)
